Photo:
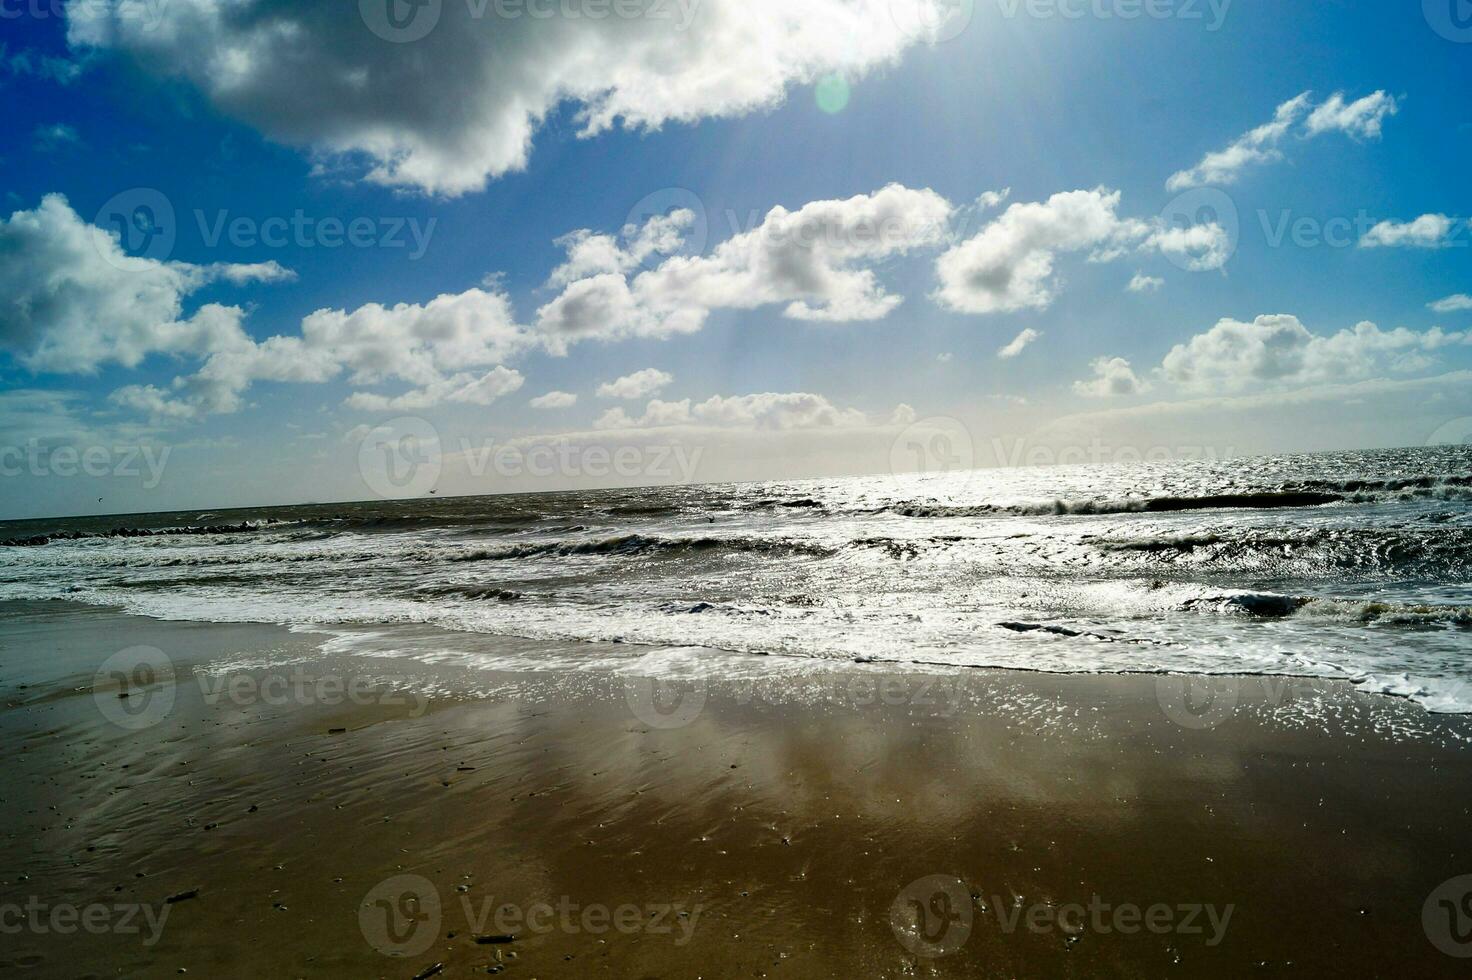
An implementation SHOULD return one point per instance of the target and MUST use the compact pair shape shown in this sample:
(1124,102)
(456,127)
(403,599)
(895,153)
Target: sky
(257,252)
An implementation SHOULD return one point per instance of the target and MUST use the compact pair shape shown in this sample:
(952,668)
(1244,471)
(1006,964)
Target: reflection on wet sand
(778,823)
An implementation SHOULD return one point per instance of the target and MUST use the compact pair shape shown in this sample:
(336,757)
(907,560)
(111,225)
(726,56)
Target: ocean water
(1352,566)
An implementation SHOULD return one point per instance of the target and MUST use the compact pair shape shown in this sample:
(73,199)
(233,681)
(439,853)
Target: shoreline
(493,644)
(780,822)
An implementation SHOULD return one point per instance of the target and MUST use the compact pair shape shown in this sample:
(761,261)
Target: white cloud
(554,399)
(418,343)
(29,61)
(945,358)
(1018,343)
(1198,248)
(1427,231)
(1361,119)
(590,254)
(993,199)
(640,384)
(429,346)
(1113,378)
(816,260)
(1008,265)
(57,136)
(1280,350)
(465,389)
(462,104)
(1142,283)
(1452,304)
(767,411)
(71,300)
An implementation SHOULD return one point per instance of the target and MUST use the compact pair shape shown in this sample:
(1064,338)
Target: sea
(1353,566)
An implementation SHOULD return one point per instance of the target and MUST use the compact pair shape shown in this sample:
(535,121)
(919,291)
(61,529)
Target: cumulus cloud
(72,300)
(1008,265)
(465,389)
(1361,119)
(1113,378)
(446,111)
(1018,343)
(428,346)
(817,260)
(767,411)
(1427,231)
(590,254)
(1142,283)
(1280,350)
(1452,304)
(554,399)
(640,384)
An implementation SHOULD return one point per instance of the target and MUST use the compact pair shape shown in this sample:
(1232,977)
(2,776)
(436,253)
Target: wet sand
(322,815)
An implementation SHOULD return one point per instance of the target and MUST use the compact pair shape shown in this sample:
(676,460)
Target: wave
(1433,550)
(1272,605)
(640,544)
(1260,500)
(39,540)
(479,593)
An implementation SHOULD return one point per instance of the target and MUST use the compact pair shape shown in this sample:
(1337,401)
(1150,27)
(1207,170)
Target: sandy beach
(255,806)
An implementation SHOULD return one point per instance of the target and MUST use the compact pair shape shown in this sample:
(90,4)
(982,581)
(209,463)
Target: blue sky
(102,106)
